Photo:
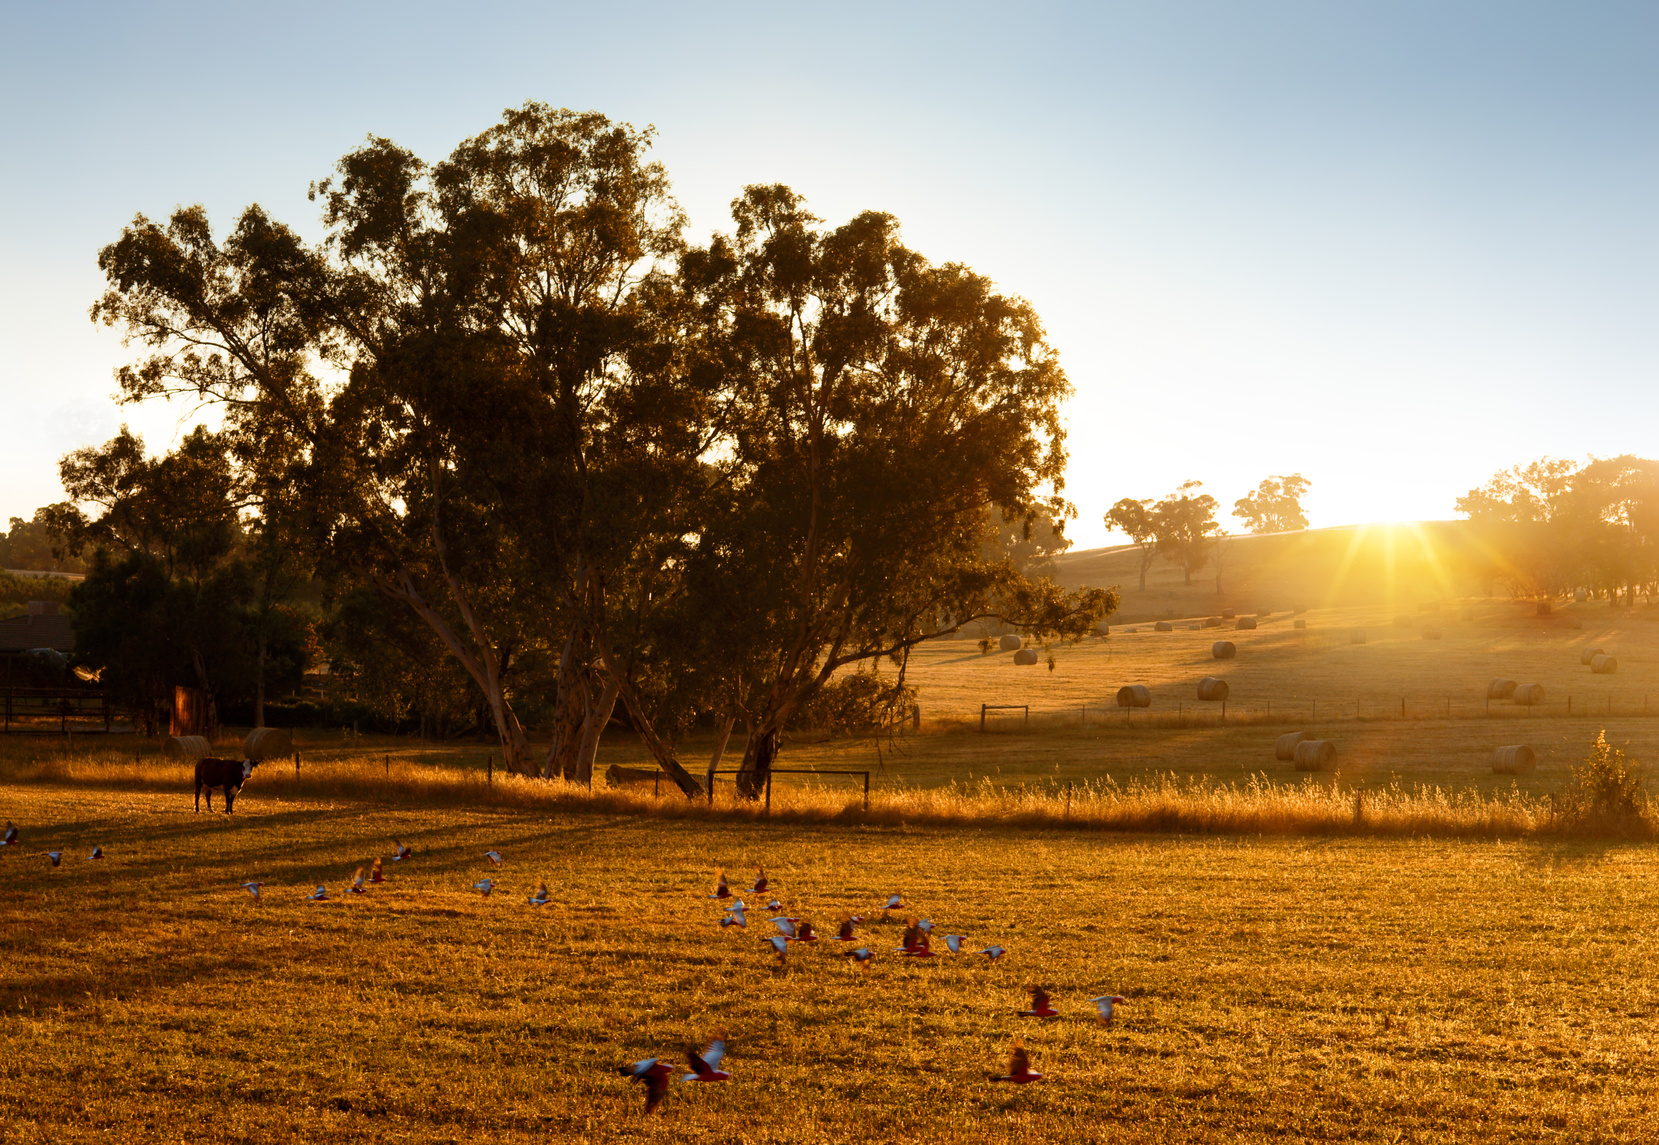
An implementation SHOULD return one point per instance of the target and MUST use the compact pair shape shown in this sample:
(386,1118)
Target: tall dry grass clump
(1604,797)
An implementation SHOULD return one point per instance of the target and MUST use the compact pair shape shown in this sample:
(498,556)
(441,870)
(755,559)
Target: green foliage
(1275,506)
(1185,525)
(1603,787)
(854,703)
(31,545)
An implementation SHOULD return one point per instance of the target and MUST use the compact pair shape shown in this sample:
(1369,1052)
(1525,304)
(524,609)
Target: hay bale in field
(617,775)
(1212,688)
(268,743)
(1574,622)
(1528,695)
(1025,656)
(1103,630)
(1589,654)
(1212,622)
(1500,689)
(1516,759)
(1430,632)
(1010,643)
(1604,665)
(1543,608)
(1134,696)
(1163,626)
(1246,623)
(1356,636)
(1284,748)
(1228,614)
(1299,623)
(186,747)
(1315,755)
(1224,650)
(1580,596)
(1195,628)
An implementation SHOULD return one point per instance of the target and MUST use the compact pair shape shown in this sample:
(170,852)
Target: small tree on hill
(1135,518)
(1275,506)
(1185,524)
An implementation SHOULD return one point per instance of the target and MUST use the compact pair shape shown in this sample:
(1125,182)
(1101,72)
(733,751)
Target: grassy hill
(1403,564)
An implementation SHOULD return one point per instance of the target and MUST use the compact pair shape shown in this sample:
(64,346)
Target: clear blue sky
(1394,247)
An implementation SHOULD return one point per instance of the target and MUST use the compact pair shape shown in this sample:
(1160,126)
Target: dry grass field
(1278,988)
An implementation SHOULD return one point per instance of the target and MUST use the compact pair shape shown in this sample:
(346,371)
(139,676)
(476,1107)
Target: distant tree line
(1182,527)
(506,442)
(1553,527)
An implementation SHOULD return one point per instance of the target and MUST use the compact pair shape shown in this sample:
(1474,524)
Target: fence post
(656,784)
(1402,707)
(981,717)
(296,765)
(866,793)
(489,770)
(1569,705)
(769,792)
(1068,801)
(1028,715)
(388,767)
(1223,711)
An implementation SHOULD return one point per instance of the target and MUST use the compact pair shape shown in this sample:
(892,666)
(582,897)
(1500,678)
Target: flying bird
(1040,1007)
(654,1073)
(705,1066)
(400,852)
(894,902)
(1019,1066)
(915,942)
(760,881)
(318,895)
(736,904)
(954,942)
(55,856)
(861,956)
(735,918)
(494,857)
(253,889)
(97,852)
(774,905)
(10,839)
(780,945)
(721,890)
(376,875)
(484,887)
(541,897)
(845,934)
(787,925)
(357,886)
(925,926)
(1104,1004)
(804,931)
(994,952)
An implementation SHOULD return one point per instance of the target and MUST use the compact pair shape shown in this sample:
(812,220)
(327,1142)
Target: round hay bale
(1589,654)
(1356,636)
(1195,628)
(1574,622)
(1131,630)
(1224,650)
(1212,688)
(1284,748)
(1604,665)
(1315,755)
(1430,632)
(1103,630)
(268,743)
(1212,622)
(1025,656)
(1227,614)
(1134,696)
(1010,643)
(186,747)
(1516,759)
(1246,623)
(1543,608)
(1528,695)
(1580,595)
(1299,622)
(1500,689)
(1163,626)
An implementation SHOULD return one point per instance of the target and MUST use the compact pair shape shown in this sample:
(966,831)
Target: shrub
(1603,787)
(854,703)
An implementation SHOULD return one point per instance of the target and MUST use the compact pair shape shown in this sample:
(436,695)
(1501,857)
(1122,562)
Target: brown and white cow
(229,774)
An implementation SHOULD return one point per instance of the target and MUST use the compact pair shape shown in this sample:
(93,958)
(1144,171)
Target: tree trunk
(598,719)
(572,707)
(721,738)
(758,755)
(682,778)
(259,684)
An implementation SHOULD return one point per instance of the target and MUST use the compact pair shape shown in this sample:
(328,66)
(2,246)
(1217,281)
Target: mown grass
(1316,989)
